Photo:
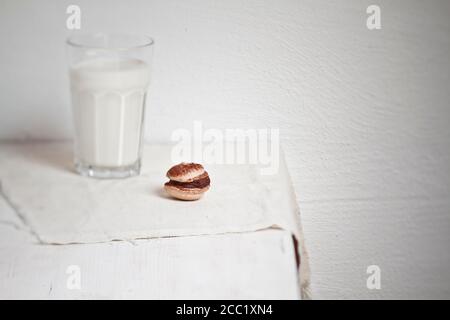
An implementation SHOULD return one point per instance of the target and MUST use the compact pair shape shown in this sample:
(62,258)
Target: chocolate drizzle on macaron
(188,181)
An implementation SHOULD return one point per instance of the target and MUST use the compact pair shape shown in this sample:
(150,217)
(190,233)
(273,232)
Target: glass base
(93,171)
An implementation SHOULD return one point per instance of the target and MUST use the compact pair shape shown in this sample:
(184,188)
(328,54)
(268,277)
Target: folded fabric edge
(304,270)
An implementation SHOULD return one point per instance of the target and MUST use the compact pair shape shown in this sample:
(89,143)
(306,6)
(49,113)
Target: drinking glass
(109,78)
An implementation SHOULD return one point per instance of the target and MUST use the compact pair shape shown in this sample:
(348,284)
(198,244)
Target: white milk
(108,104)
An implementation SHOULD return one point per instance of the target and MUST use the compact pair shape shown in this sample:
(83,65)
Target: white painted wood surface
(257,265)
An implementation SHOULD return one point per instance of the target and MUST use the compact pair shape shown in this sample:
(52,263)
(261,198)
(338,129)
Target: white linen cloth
(62,207)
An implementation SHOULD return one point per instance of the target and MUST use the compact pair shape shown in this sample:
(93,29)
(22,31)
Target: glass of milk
(109,78)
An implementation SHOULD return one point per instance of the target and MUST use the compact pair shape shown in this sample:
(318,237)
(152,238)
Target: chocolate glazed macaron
(188,181)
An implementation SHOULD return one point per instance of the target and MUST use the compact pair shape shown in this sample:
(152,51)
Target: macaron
(188,181)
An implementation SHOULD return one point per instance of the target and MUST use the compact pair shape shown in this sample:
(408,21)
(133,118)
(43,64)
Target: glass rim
(75,41)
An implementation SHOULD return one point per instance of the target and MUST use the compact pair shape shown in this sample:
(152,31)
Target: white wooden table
(256,265)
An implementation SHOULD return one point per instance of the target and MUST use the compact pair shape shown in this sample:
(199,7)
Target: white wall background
(364,115)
